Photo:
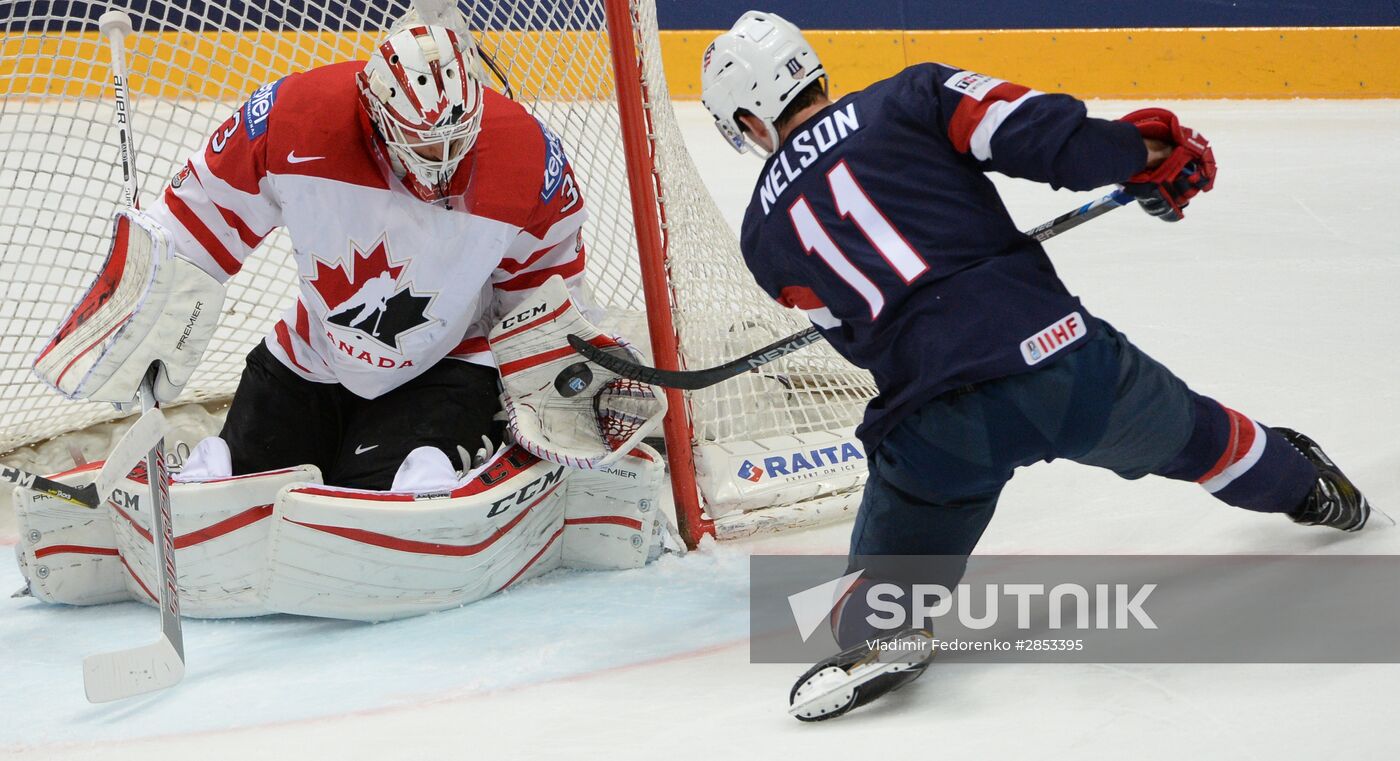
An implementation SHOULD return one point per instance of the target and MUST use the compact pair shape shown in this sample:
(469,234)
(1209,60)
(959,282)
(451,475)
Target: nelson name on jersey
(804,149)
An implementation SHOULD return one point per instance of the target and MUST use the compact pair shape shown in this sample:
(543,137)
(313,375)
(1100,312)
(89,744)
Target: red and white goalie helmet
(422,94)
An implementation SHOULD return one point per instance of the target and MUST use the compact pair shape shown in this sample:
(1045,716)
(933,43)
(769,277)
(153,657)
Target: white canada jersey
(388,285)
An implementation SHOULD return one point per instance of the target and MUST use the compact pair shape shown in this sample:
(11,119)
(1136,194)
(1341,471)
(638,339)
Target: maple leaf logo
(337,287)
(368,298)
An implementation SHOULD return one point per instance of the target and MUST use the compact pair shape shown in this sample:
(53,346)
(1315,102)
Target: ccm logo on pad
(1063,333)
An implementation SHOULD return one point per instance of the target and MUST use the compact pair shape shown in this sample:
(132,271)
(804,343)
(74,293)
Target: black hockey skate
(1334,500)
(856,676)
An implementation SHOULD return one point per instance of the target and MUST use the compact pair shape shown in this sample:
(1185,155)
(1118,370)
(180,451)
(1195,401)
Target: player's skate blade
(858,675)
(1334,500)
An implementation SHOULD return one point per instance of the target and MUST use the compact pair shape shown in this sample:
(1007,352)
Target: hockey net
(768,449)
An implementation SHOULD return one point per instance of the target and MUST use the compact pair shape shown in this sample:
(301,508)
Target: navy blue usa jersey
(877,218)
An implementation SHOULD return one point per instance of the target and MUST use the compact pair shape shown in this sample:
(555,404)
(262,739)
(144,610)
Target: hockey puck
(573,380)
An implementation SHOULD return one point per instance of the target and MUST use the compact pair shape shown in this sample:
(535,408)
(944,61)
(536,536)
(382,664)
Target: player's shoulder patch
(555,163)
(972,84)
(259,107)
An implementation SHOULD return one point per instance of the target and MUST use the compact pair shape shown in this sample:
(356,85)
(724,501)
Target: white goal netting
(191,62)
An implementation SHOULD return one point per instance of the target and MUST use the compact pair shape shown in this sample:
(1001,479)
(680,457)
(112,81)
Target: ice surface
(1277,295)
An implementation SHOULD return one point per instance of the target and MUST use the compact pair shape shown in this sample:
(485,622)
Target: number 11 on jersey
(854,204)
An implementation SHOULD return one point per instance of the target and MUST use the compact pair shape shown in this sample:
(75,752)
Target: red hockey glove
(1190,169)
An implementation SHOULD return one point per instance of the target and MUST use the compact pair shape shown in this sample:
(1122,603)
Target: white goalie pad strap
(613,518)
(221,538)
(68,554)
(146,305)
(593,417)
(374,556)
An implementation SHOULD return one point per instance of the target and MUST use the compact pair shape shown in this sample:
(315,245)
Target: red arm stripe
(970,112)
(201,232)
(245,233)
(529,280)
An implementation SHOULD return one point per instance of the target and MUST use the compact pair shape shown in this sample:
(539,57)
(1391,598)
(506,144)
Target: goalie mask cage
(769,449)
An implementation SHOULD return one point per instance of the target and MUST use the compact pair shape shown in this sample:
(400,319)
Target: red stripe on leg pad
(413,546)
(611,520)
(76,549)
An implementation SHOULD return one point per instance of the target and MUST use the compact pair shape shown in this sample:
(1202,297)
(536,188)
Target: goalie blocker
(280,542)
(146,306)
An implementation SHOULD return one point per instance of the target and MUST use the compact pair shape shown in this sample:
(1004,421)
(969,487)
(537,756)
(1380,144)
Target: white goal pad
(374,556)
(221,532)
(279,542)
(66,553)
(80,556)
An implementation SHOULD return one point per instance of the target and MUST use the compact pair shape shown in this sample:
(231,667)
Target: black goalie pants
(279,420)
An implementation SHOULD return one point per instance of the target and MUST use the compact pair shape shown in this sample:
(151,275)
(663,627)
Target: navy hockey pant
(935,479)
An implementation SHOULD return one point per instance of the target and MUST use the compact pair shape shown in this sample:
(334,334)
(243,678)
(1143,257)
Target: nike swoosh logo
(293,158)
(363,449)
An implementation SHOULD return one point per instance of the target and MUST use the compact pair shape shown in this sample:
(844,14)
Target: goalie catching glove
(594,417)
(1166,190)
(147,305)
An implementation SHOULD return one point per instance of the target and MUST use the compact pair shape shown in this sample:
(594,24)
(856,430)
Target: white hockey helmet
(422,91)
(759,65)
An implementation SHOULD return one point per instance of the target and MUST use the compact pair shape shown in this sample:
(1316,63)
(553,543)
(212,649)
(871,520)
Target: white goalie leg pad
(589,418)
(613,518)
(221,538)
(146,305)
(68,554)
(375,556)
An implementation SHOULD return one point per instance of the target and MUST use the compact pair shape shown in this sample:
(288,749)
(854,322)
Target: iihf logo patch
(750,472)
(1069,329)
(795,68)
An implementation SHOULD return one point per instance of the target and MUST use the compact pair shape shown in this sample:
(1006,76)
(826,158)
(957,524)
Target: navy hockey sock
(1241,462)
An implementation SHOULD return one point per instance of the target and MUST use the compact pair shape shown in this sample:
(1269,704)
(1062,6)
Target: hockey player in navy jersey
(874,214)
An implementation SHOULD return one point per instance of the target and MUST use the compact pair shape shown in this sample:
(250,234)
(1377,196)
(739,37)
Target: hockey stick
(161,664)
(129,451)
(691,380)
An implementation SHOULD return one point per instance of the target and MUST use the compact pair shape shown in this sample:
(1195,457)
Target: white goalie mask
(759,65)
(422,93)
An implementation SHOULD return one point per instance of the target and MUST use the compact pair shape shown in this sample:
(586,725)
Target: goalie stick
(161,664)
(129,451)
(692,380)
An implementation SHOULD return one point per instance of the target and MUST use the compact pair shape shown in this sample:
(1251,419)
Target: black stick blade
(693,380)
